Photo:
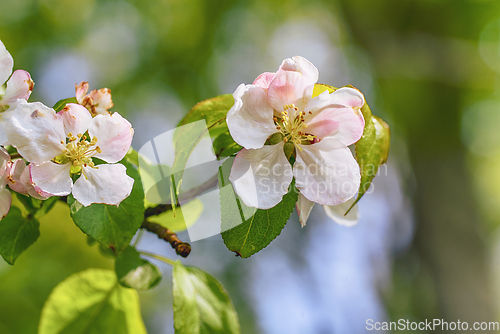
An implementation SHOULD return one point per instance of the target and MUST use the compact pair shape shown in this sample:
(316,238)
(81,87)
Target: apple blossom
(98,102)
(335,212)
(60,145)
(317,129)
(18,88)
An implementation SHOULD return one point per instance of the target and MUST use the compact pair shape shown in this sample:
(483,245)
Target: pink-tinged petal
(337,213)
(6,64)
(329,118)
(114,136)
(264,80)
(51,179)
(288,88)
(347,97)
(76,119)
(261,177)
(5,202)
(304,208)
(250,119)
(81,90)
(102,100)
(19,87)
(14,178)
(36,132)
(303,66)
(326,172)
(108,184)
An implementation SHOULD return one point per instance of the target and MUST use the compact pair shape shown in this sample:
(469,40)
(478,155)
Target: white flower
(318,129)
(18,88)
(98,102)
(58,147)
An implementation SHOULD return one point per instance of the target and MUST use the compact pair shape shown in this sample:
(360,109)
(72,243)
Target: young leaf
(92,301)
(62,103)
(113,226)
(17,233)
(260,227)
(201,304)
(372,149)
(134,272)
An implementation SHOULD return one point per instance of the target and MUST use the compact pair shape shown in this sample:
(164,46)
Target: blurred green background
(428,245)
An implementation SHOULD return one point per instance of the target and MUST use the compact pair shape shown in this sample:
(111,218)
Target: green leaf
(134,272)
(182,219)
(113,226)
(259,227)
(190,132)
(17,233)
(92,302)
(201,304)
(225,146)
(372,149)
(62,103)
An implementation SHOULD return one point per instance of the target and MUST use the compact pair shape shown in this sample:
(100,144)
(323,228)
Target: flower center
(292,126)
(79,151)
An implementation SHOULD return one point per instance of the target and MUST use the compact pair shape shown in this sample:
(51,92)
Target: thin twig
(181,248)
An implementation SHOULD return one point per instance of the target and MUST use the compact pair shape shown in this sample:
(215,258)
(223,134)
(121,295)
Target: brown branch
(181,248)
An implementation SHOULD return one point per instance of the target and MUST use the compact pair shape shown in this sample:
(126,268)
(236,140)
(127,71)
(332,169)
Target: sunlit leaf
(17,233)
(182,219)
(134,272)
(201,304)
(92,302)
(249,230)
(190,132)
(113,226)
(372,149)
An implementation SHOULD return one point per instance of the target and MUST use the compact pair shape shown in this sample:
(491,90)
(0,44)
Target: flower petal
(102,100)
(5,116)
(114,136)
(337,213)
(336,115)
(76,118)
(6,64)
(304,208)
(81,91)
(303,66)
(326,172)
(51,179)
(264,80)
(261,177)
(19,86)
(5,202)
(108,184)
(14,178)
(36,132)
(288,88)
(250,119)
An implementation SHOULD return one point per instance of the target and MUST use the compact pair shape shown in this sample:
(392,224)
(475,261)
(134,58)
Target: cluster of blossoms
(312,135)
(60,148)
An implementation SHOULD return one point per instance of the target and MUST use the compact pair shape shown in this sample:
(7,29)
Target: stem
(139,236)
(15,156)
(158,257)
(181,248)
